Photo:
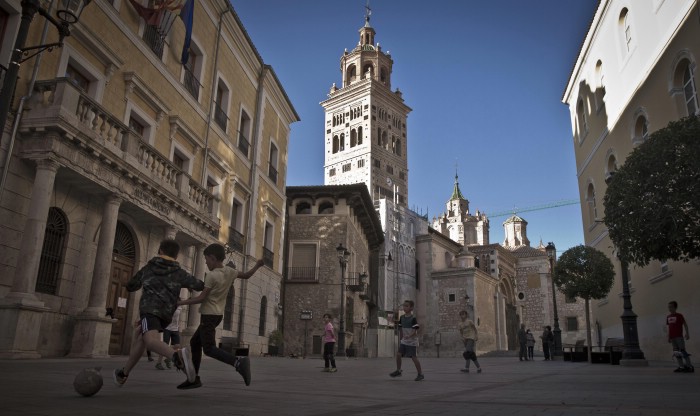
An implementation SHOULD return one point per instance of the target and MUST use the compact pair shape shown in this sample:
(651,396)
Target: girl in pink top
(328,344)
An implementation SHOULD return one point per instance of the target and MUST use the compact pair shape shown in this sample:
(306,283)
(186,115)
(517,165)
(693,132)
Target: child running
(217,283)
(161,280)
(408,347)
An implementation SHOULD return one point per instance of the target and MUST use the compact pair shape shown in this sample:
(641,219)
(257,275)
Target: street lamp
(343,255)
(552,254)
(68,13)
(632,355)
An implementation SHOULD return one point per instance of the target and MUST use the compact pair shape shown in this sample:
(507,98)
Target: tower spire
(368,13)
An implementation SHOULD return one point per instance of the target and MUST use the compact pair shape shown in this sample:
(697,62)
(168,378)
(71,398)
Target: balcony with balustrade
(101,150)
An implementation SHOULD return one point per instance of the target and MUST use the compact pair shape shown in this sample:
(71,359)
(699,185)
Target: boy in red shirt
(676,324)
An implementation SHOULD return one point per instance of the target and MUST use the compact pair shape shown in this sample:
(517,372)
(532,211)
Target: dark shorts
(408,351)
(152,323)
(171,337)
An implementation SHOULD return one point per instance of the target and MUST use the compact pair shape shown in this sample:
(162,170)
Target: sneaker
(478,370)
(183,361)
(243,368)
(119,377)
(396,373)
(333,370)
(186,385)
(160,366)
(679,370)
(464,370)
(168,363)
(326,370)
(688,369)
(420,377)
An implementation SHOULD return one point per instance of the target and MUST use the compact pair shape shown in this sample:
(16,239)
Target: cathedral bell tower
(460,225)
(365,124)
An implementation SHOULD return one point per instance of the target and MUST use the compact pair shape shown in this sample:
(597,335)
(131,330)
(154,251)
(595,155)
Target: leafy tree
(652,204)
(587,273)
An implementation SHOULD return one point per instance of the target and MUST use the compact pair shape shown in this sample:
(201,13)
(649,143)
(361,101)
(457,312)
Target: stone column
(193,310)
(86,263)
(20,310)
(92,329)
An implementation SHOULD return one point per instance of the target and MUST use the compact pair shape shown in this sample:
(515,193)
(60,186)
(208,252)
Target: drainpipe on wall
(253,205)
(203,181)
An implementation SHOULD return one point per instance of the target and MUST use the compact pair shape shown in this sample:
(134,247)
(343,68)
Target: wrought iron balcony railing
(220,117)
(235,239)
(191,83)
(243,144)
(302,274)
(268,258)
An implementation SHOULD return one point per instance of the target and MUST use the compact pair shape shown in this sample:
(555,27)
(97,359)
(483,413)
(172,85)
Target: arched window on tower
(353,138)
(303,208)
(326,207)
(398,147)
(350,74)
(336,144)
(383,77)
(368,71)
(342,142)
(359,135)
(385,140)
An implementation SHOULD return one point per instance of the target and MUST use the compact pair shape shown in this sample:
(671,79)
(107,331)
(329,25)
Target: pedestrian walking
(469,334)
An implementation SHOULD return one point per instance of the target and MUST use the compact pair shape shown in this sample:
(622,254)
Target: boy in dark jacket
(161,280)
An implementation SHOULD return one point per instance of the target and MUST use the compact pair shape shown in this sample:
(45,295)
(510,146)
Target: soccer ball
(88,381)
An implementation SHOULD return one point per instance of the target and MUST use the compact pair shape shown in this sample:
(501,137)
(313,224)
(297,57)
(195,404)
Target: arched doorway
(123,261)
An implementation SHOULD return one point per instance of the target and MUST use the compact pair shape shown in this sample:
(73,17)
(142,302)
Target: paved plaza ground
(286,386)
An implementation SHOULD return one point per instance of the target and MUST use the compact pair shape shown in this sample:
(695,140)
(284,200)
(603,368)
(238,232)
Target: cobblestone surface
(285,386)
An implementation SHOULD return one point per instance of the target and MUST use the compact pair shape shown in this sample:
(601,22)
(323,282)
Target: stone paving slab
(285,386)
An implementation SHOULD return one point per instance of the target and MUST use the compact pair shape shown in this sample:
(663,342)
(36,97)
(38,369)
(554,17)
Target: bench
(575,352)
(608,354)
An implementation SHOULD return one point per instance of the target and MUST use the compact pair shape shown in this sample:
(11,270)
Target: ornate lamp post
(68,13)
(632,355)
(343,255)
(552,254)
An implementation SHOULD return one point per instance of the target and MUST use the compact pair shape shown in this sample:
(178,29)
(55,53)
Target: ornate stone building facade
(320,218)
(365,131)
(635,72)
(119,145)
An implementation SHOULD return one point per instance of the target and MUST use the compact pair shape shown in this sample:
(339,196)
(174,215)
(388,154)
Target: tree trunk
(588,331)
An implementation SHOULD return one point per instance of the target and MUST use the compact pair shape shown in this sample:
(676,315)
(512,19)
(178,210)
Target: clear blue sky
(484,80)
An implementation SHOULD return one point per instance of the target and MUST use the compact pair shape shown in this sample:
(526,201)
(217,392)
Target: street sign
(306,315)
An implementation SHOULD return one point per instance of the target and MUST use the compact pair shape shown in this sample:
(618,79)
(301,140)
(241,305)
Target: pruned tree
(652,204)
(586,273)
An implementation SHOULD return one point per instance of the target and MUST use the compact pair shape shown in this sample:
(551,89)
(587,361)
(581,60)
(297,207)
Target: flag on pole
(187,15)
